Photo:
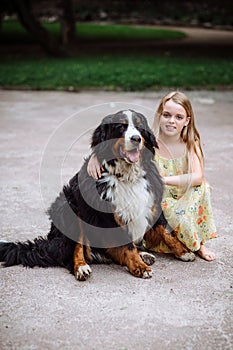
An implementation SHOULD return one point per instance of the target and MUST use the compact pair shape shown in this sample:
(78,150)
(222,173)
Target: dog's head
(124,135)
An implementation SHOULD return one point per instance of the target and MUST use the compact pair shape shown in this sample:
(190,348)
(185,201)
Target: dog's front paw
(142,271)
(147,273)
(83,272)
(187,257)
(147,258)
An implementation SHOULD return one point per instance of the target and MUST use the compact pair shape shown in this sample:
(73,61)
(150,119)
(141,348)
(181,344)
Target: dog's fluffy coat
(101,220)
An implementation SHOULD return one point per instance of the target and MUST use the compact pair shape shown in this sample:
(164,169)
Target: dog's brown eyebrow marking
(119,118)
(137,120)
(124,121)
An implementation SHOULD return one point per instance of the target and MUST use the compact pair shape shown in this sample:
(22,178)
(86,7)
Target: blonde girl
(186,200)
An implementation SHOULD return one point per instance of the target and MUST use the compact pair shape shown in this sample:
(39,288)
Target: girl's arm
(194,178)
(93,167)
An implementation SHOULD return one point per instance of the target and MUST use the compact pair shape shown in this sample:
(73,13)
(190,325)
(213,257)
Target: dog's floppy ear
(149,137)
(99,135)
(102,134)
(150,140)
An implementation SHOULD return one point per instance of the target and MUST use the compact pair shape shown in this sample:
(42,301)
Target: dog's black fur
(83,207)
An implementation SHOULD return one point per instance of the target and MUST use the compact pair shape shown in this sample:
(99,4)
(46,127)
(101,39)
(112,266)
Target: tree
(68,23)
(51,44)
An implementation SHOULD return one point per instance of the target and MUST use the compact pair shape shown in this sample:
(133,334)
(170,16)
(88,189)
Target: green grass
(113,73)
(135,72)
(13,32)
(123,32)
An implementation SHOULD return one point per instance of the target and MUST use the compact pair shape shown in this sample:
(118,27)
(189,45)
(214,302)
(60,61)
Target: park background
(118,53)
(116,45)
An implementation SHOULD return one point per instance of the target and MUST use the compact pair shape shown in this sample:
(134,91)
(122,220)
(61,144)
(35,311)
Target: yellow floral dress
(187,210)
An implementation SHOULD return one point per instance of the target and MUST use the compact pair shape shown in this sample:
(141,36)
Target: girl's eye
(180,117)
(166,115)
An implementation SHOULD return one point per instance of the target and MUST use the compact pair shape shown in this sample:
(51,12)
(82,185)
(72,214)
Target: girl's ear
(187,121)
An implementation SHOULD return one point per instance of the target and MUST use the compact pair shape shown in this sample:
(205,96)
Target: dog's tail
(41,252)
(25,253)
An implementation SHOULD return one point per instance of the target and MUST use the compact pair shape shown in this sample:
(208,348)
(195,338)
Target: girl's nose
(172,119)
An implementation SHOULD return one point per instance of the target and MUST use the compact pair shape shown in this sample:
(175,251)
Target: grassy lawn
(107,71)
(111,73)
(13,32)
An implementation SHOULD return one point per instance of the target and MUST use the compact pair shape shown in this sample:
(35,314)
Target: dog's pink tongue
(133,156)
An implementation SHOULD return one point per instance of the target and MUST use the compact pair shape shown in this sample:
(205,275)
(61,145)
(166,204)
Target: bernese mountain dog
(106,220)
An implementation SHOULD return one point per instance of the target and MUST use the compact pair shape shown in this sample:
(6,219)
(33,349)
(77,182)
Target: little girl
(186,200)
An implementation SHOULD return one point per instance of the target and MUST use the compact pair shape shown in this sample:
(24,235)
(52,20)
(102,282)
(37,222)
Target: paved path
(184,305)
(204,35)
(199,42)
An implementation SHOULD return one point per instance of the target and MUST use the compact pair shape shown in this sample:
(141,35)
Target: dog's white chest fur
(132,200)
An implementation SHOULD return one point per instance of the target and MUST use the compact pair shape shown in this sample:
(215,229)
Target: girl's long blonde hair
(189,134)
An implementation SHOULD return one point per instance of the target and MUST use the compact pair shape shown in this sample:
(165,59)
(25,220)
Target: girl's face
(173,119)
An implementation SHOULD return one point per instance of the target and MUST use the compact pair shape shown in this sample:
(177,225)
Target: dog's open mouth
(131,156)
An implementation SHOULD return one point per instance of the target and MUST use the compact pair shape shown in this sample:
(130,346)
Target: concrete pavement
(183,306)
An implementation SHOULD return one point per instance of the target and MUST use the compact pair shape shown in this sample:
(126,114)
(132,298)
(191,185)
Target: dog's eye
(121,127)
(139,124)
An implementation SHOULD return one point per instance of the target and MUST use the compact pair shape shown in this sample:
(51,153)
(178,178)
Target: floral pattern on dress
(188,210)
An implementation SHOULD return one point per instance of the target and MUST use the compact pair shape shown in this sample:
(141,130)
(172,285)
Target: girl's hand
(164,180)
(93,167)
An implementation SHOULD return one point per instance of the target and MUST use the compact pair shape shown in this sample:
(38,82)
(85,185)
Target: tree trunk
(68,22)
(44,37)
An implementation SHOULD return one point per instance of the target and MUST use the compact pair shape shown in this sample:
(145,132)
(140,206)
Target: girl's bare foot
(206,254)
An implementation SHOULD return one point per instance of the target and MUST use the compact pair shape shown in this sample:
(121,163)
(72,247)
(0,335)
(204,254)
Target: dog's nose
(135,139)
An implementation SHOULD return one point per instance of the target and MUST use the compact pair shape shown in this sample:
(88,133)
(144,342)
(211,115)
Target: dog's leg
(128,256)
(160,233)
(81,269)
